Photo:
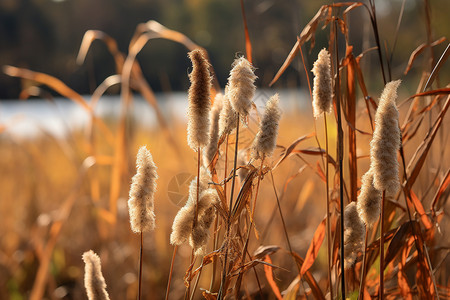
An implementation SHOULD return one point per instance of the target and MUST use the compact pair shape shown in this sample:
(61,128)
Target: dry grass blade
(291,148)
(316,151)
(442,187)
(437,67)
(419,50)
(317,292)
(418,159)
(398,241)
(50,81)
(307,34)
(59,87)
(157,30)
(89,37)
(314,247)
(420,210)
(248,44)
(350,113)
(245,194)
(269,277)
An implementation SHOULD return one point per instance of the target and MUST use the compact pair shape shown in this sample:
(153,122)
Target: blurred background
(45,35)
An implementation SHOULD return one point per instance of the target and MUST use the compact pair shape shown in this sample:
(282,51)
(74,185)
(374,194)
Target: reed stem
(328,208)
(169,281)
(140,267)
(363,269)
(224,275)
(340,151)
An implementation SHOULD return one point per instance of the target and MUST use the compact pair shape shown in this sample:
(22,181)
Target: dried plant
(266,138)
(199,102)
(369,200)
(142,191)
(323,87)
(93,278)
(353,235)
(241,86)
(214,116)
(386,142)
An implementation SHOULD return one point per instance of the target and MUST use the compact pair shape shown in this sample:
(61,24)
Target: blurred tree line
(45,35)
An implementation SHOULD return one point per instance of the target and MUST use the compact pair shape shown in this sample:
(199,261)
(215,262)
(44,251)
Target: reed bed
(246,196)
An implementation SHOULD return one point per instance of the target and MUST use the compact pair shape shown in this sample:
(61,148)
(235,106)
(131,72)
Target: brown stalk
(169,281)
(328,209)
(140,268)
(222,293)
(363,268)
(340,151)
(382,248)
(249,230)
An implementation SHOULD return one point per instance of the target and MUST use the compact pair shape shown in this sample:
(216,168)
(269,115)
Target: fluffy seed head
(386,142)
(266,138)
(93,278)
(182,225)
(228,116)
(354,234)
(200,233)
(369,200)
(199,102)
(323,87)
(211,149)
(143,187)
(241,86)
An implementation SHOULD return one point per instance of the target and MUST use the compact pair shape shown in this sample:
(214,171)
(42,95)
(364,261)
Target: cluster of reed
(208,198)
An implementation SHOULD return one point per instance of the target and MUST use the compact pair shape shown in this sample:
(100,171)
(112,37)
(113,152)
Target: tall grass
(268,227)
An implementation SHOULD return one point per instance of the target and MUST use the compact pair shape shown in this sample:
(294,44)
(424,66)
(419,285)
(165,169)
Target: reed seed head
(211,149)
(199,102)
(93,278)
(241,86)
(228,116)
(200,233)
(386,142)
(143,187)
(354,234)
(369,200)
(182,225)
(323,86)
(266,138)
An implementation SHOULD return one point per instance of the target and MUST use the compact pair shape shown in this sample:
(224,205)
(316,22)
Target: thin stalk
(140,268)
(196,283)
(188,287)
(382,248)
(249,230)
(215,241)
(285,232)
(340,151)
(169,281)
(363,269)
(328,208)
(216,237)
(198,186)
(224,275)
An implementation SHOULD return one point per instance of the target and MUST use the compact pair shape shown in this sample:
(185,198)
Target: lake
(33,117)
